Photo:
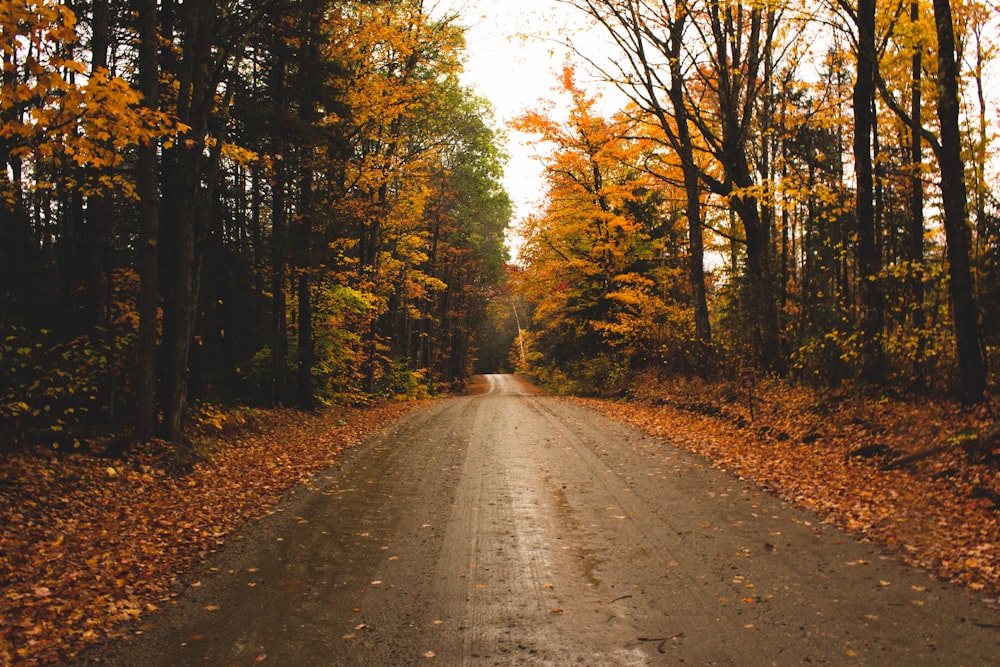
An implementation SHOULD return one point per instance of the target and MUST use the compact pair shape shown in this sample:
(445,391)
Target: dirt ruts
(510,528)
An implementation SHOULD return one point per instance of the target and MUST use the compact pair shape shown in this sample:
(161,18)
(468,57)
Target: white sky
(515,49)
(514,54)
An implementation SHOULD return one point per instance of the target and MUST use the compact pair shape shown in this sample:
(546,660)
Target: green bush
(49,390)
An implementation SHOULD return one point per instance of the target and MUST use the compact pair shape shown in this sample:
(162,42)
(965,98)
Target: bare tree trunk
(972,368)
(147,184)
(306,353)
(279,247)
(692,192)
(916,232)
(868,256)
(98,205)
(184,177)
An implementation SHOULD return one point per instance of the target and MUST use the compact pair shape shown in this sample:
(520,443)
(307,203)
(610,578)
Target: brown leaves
(83,552)
(938,511)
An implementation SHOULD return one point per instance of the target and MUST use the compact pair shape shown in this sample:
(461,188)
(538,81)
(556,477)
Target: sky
(515,49)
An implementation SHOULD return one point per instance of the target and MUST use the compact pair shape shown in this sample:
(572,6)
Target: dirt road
(515,529)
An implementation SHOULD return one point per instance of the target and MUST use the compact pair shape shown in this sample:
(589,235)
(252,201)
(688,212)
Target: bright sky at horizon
(515,50)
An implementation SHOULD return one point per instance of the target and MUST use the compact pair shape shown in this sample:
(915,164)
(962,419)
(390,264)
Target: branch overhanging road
(510,528)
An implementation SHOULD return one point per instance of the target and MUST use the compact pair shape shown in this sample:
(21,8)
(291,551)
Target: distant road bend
(510,528)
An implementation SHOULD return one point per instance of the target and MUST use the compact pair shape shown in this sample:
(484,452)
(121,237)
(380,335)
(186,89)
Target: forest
(298,203)
(240,203)
(238,237)
(799,190)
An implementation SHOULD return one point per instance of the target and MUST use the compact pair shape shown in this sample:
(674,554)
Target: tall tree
(868,249)
(148,190)
(202,66)
(601,268)
(660,91)
(915,245)
(722,58)
(972,367)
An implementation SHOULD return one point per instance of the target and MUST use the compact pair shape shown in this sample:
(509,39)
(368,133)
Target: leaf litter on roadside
(940,509)
(84,552)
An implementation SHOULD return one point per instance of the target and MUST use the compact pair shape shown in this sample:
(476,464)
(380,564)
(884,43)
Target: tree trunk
(147,184)
(692,192)
(196,88)
(306,353)
(868,256)
(760,287)
(279,249)
(915,245)
(308,94)
(98,205)
(972,368)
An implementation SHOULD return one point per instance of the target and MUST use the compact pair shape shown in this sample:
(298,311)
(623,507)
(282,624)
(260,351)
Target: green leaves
(49,387)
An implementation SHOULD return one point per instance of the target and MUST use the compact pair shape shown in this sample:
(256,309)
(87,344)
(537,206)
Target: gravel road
(510,528)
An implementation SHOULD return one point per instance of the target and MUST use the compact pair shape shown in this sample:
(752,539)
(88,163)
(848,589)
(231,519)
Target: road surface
(510,528)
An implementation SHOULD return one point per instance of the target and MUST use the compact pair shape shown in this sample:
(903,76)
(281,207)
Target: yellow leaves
(238,154)
(58,110)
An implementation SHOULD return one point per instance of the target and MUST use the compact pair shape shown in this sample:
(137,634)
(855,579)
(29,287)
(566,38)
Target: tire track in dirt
(510,528)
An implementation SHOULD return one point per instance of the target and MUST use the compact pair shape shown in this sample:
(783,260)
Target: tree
(663,97)
(600,274)
(147,260)
(972,368)
(719,61)
(948,149)
(199,70)
(868,251)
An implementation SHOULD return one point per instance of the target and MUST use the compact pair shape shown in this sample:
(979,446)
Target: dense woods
(298,203)
(789,188)
(207,203)
(207,206)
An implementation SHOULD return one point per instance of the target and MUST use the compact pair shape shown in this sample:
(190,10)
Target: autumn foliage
(90,545)
(318,219)
(744,208)
(209,208)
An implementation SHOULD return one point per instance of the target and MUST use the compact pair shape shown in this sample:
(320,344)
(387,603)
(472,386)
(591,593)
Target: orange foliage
(90,544)
(938,508)
(602,257)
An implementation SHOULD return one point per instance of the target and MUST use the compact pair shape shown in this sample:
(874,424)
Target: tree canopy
(299,203)
(819,158)
(280,203)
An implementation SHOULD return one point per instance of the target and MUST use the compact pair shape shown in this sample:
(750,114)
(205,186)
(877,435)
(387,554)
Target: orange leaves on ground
(938,511)
(84,551)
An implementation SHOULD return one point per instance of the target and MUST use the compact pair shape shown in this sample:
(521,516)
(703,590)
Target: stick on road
(515,529)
